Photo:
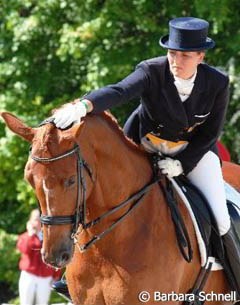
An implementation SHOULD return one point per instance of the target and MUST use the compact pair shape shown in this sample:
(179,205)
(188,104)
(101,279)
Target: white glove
(170,167)
(71,113)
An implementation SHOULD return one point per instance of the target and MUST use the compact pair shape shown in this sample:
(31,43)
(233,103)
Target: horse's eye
(69,182)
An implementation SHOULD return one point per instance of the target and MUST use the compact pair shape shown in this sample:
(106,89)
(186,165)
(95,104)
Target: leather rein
(79,218)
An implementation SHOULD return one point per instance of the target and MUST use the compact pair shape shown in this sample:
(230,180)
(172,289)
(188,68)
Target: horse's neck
(121,169)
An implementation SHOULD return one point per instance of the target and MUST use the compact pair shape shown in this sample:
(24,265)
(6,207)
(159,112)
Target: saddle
(204,216)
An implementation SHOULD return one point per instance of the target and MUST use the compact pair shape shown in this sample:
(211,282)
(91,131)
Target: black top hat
(187,34)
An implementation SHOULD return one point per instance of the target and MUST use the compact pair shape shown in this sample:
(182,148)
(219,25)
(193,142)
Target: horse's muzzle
(58,257)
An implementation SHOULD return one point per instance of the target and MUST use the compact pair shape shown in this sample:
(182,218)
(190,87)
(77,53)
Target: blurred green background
(52,51)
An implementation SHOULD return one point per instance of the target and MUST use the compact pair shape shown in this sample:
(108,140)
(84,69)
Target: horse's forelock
(47,138)
(45,133)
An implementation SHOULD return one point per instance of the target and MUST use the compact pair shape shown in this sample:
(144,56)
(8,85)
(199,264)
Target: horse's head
(55,170)
(113,169)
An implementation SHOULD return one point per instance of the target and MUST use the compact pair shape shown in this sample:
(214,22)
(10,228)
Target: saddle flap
(199,207)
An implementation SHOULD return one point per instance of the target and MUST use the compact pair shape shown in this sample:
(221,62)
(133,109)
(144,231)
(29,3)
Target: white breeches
(207,176)
(34,289)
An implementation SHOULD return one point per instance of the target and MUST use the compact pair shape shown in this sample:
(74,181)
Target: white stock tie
(184,86)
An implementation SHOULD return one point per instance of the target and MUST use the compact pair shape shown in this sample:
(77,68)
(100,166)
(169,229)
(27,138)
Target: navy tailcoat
(198,120)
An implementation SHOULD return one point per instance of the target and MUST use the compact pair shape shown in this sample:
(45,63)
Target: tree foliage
(52,51)
(10,258)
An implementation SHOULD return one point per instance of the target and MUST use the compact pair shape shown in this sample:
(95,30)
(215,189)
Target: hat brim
(164,42)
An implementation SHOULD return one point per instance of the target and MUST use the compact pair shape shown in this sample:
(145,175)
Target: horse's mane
(113,124)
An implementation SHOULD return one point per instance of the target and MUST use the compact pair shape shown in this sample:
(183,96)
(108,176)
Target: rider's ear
(17,126)
(73,132)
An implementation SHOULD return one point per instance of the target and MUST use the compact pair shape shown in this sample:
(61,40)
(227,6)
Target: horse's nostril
(65,256)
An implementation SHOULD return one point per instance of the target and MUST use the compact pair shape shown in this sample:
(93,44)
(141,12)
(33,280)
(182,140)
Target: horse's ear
(17,126)
(73,132)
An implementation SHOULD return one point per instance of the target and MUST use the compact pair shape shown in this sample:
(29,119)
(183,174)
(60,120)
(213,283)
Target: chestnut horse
(140,253)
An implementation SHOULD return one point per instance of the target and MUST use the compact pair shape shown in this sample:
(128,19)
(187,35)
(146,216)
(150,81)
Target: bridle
(79,218)
(80,211)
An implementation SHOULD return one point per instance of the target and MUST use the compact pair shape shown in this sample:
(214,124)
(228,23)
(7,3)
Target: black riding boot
(232,248)
(61,288)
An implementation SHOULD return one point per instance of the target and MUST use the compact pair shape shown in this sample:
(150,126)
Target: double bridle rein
(79,218)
